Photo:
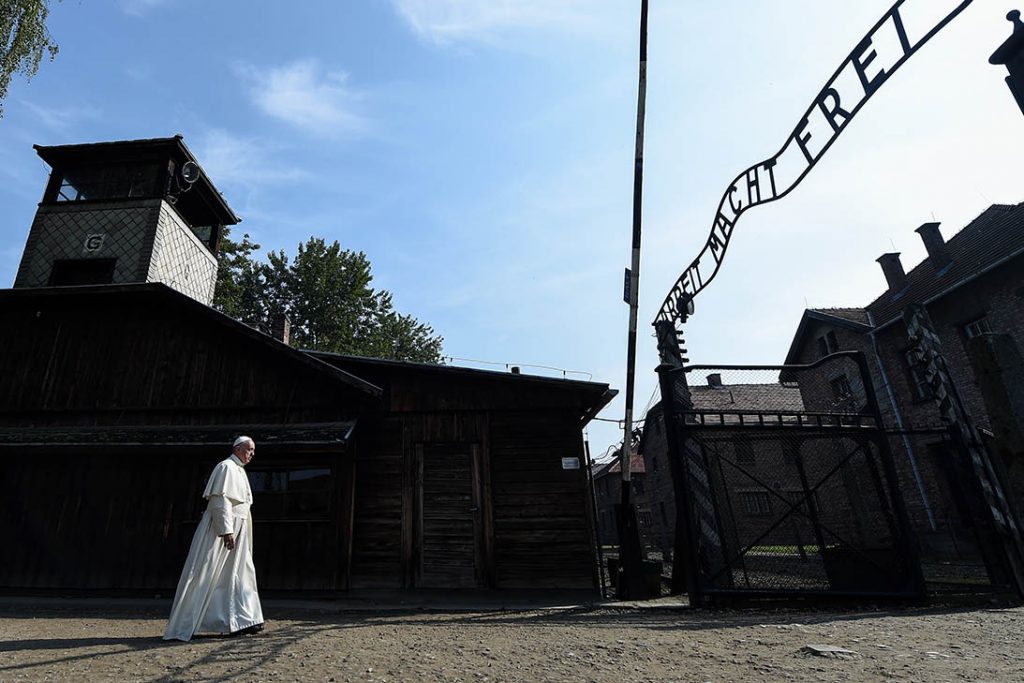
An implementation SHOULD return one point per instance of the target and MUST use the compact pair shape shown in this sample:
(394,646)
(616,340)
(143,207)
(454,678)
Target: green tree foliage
(239,287)
(24,39)
(326,293)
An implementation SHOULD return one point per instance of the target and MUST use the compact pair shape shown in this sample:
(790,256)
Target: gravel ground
(649,643)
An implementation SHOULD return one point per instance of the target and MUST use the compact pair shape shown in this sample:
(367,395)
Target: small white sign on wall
(570,463)
(94,242)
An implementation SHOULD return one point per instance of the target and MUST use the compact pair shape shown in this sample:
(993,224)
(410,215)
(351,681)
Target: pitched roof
(747,397)
(156,296)
(208,200)
(993,238)
(855,319)
(636,465)
(853,315)
(328,435)
(589,397)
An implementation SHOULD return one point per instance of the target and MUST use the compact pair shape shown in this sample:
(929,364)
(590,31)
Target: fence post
(675,398)
(928,352)
(889,466)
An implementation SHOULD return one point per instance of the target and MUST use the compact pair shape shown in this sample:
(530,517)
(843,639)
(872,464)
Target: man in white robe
(217,589)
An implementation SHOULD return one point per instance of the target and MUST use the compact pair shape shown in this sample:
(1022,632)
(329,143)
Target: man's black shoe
(255,628)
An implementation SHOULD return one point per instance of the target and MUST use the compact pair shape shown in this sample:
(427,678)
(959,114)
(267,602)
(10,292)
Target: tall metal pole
(634,271)
(630,584)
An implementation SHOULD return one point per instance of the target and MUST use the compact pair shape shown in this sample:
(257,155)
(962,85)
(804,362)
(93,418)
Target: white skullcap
(240,440)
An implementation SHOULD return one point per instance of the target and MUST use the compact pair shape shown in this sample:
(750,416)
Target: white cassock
(217,589)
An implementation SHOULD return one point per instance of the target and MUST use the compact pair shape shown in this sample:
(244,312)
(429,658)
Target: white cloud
(448,21)
(301,93)
(62,119)
(243,165)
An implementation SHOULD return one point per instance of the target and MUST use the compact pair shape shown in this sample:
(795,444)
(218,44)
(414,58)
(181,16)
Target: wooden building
(118,394)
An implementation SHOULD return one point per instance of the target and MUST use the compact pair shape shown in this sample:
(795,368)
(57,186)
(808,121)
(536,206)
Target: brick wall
(999,297)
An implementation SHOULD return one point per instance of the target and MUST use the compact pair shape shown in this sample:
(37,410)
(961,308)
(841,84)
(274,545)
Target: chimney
(281,328)
(715,380)
(893,269)
(938,250)
(515,370)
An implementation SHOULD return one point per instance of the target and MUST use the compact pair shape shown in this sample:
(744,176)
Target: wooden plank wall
(541,525)
(448,517)
(301,550)
(99,366)
(534,515)
(94,523)
(123,524)
(377,527)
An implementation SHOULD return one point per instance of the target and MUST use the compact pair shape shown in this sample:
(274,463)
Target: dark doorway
(93,271)
(447,516)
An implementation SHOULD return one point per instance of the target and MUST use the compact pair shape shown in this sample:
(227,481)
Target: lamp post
(1011,55)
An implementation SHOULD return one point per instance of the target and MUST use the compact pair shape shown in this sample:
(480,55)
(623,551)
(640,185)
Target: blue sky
(481,153)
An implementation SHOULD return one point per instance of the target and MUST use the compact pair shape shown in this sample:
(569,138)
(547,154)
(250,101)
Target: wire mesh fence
(797,481)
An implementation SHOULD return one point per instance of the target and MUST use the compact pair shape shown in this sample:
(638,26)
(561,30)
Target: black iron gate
(791,482)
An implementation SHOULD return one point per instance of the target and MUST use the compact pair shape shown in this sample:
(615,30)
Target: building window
(744,452)
(841,389)
(645,518)
(800,499)
(977,327)
(919,385)
(71,272)
(108,182)
(638,485)
(827,343)
(755,502)
(299,493)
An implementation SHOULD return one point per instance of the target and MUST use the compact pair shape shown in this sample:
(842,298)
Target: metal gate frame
(698,508)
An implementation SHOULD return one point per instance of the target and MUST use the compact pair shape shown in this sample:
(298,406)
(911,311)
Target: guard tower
(126,212)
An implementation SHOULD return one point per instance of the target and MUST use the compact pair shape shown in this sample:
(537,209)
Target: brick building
(756,459)
(973,287)
(608,492)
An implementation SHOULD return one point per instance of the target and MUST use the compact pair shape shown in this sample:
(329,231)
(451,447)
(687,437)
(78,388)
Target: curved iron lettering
(893,40)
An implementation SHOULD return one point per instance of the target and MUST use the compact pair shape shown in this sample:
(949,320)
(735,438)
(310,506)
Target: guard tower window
(93,271)
(203,232)
(107,182)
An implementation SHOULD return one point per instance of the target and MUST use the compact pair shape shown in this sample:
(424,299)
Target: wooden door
(448,516)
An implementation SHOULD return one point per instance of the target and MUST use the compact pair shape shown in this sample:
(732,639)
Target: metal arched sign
(901,32)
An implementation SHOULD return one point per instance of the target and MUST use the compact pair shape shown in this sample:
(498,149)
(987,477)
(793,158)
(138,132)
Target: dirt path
(602,645)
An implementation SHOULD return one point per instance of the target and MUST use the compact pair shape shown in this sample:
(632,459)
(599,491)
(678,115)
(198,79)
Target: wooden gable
(144,354)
